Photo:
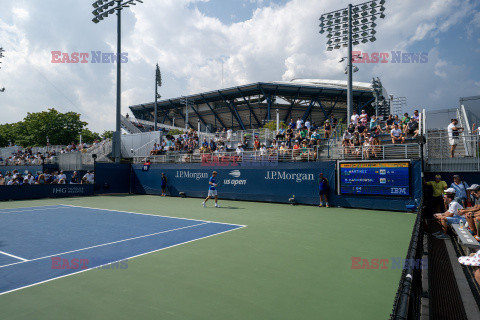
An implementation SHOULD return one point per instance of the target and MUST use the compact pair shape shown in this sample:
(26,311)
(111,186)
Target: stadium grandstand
(251,106)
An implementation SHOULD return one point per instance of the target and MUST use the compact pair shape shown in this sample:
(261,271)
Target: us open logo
(235,173)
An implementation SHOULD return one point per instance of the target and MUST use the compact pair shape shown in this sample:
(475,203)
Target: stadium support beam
(213,111)
(198,114)
(310,107)
(249,107)
(289,112)
(230,105)
(180,113)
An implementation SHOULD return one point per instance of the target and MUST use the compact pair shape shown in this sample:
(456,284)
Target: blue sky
(257,40)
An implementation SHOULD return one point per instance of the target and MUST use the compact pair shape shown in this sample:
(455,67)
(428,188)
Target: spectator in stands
(90,177)
(256,144)
(274,144)
(438,187)
(333,121)
(74,178)
(366,147)
(461,192)
(283,149)
(354,118)
(362,129)
(299,124)
(397,121)
(375,125)
(473,213)
(289,133)
(363,119)
(327,129)
(416,116)
(204,148)
(473,261)
(405,120)
(357,142)
(2,180)
(347,142)
(61,176)
(229,134)
(453,135)
(351,128)
(475,131)
(307,124)
(411,127)
(155,150)
(41,179)
(448,217)
(389,123)
(396,135)
(296,148)
(8,177)
(292,125)
(239,150)
(280,134)
(376,147)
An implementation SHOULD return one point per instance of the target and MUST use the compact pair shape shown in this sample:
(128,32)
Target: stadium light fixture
(360,17)
(102,9)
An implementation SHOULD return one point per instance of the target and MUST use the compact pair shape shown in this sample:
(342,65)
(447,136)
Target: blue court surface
(39,244)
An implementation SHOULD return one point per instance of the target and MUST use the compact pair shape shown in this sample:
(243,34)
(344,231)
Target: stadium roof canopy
(252,105)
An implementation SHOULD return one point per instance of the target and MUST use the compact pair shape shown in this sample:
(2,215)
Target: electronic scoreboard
(379,178)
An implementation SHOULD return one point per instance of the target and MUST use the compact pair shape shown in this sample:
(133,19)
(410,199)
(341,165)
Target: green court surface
(288,263)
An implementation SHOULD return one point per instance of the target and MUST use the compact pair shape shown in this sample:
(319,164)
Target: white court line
(138,255)
(105,244)
(11,255)
(29,210)
(153,215)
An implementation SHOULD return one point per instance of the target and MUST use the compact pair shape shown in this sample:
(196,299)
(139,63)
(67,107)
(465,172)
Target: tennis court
(178,260)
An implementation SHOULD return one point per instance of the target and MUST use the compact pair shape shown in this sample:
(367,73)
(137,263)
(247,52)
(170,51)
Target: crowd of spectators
(26,156)
(16,178)
(361,139)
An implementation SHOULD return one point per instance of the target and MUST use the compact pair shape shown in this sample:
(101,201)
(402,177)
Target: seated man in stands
(362,129)
(304,133)
(154,150)
(411,127)
(404,121)
(472,214)
(239,150)
(396,135)
(389,123)
(347,142)
(280,134)
(451,216)
(327,127)
(204,148)
(375,125)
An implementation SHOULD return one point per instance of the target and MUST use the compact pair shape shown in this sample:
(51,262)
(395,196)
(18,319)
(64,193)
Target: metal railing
(382,152)
(270,156)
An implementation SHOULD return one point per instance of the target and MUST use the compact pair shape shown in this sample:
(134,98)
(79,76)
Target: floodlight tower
(104,8)
(1,56)
(158,83)
(348,27)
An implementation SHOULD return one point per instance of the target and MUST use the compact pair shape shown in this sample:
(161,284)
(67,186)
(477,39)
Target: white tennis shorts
(453,141)
(212,193)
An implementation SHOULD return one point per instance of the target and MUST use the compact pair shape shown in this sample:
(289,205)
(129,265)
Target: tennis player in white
(212,190)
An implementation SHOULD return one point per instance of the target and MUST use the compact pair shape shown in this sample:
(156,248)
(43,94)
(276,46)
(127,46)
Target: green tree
(107,134)
(272,125)
(89,136)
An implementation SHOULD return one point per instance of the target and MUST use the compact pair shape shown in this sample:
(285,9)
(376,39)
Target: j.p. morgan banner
(45,191)
(276,183)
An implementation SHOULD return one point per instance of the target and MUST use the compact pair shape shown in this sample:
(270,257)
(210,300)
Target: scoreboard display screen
(375,178)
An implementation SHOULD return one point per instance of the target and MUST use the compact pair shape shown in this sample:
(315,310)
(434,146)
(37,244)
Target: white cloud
(276,43)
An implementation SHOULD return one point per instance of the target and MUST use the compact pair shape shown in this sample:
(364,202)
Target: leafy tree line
(60,128)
